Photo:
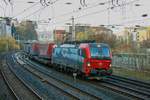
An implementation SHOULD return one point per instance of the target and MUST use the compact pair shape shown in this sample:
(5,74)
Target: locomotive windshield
(100,52)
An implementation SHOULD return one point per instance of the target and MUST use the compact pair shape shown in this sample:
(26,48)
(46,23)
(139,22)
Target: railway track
(129,87)
(90,88)
(125,87)
(122,89)
(19,88)
(138,83)
(15,97)
(135,84)
(45,90)
(61,85)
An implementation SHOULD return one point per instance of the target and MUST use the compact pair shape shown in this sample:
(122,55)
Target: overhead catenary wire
(63,15)
(3,10)
(20,13)
(115,2)
(42,8)
(83,4)
(47,3)
(53,3)
(97,12)
(100,11)
(5,5)
(78,10)
(42,2)
(40,13)
(5,2)
(31,14)
(75,17)
(12,7)
(133,21)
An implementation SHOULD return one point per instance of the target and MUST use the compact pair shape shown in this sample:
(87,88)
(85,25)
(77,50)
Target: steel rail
(9,86)
(67,84)
(117,90)
(135,92)
(135,86)
(131,81)
(22,81)
(122,89)
(50,83)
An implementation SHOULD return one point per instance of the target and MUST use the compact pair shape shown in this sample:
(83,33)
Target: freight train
(89,59)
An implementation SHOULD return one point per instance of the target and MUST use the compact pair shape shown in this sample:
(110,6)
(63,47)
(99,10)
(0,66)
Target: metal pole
(73,29)
(12,8)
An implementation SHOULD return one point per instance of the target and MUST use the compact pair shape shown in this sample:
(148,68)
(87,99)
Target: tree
(145,43)
(7,44)
(103,37)
(81,36)
(26,31)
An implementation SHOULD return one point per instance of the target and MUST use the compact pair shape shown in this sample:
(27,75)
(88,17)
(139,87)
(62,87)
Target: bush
(8,44)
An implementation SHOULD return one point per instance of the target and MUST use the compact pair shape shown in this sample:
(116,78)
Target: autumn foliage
(8,44)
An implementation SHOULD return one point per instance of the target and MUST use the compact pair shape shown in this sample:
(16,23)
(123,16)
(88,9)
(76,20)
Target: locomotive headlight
(110,65)
(88,64)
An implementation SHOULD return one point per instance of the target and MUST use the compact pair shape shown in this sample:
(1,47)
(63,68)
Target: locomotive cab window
(100,52)
(82,53)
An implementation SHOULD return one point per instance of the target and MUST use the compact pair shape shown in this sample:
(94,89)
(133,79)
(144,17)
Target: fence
(132,61)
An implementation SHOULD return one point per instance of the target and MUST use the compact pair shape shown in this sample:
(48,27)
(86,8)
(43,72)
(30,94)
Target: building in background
(101,30)
(59,36)
(143,33)
(45,36)
(134,38)
(82,31)
(25,30)
(5,26)
(136,34)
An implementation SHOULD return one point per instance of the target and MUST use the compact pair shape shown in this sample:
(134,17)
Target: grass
(131,73)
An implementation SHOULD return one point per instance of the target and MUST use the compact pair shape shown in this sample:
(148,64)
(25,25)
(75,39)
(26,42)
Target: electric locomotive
(92,60)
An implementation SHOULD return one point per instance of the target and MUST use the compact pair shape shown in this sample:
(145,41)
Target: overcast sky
(93,12)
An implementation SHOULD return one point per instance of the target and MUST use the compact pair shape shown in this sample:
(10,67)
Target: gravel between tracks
(5,93)
(64,86)
(22,92)
(84,85)
(45,90)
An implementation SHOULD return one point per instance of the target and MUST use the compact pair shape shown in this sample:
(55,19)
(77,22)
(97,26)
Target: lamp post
(3,10)
(73,29)
(68,35)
